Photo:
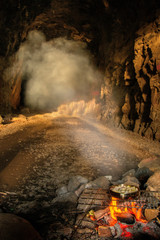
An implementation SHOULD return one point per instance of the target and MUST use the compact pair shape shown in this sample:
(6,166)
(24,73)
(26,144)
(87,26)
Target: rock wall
(147,69)
(130,91)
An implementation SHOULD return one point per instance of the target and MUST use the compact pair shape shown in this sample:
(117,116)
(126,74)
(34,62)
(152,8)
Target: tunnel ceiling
(123,38)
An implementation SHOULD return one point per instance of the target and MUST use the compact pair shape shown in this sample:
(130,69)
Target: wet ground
(40,153)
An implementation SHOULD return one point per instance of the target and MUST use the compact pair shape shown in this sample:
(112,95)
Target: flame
(138,213)
(115,210)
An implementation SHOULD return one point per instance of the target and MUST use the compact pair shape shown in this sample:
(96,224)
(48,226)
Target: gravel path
(58,147)
(40,153)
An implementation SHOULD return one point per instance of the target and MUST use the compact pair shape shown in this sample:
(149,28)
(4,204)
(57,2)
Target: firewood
(104,231)
(100,213)
(151,214)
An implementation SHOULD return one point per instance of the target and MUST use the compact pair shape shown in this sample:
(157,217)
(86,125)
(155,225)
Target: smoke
(55,72)
(80,108)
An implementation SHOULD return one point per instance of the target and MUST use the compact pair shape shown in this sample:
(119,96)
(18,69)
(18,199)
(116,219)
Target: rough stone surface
(128,180)
(101,182)
(142,174)
(80,190)
(75,182)
(130,173)
(62,190)
(91,185)
(132,75)
(152,163)
(153,182)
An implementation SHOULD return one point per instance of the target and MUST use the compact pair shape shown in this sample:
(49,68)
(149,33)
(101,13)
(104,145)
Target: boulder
(152,163)
(130,173)
(128,180)
(100,182)
(75,182)
(153,183)
(62,190)
(142,174)
(13,227)
(80,190)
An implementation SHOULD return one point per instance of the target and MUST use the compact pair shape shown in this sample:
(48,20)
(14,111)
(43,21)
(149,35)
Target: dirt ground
(55,148)
(40,153)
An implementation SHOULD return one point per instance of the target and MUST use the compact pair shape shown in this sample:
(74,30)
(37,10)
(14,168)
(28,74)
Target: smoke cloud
(80,108)
(55,72)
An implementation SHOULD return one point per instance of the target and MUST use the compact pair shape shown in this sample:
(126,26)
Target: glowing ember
(125,233)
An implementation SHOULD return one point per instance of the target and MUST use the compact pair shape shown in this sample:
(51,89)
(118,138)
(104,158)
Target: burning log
(127,218)
(101,213)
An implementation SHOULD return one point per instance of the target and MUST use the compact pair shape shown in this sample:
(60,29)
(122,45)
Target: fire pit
(124,216)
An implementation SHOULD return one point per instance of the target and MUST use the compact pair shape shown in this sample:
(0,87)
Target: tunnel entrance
(23,92)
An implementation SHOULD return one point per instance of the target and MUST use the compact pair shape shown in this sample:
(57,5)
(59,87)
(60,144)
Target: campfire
(125,209)
(118,212)
(123,212)
(118,218)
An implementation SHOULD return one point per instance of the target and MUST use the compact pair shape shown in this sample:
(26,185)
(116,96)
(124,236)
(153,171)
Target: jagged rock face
(123,37)
(130,92)
(147,69)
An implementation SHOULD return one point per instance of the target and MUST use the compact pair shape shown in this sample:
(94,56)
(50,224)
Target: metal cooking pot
(123,191)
